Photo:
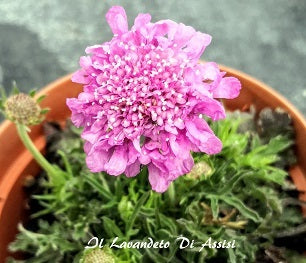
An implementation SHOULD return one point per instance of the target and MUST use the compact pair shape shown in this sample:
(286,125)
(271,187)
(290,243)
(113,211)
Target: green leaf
(3,94)
(44,111)
(66,162)
(214,207)
(125,209)
(168,223)
(241,207)
(234,181)
(41,98)
(271,174)
(32,93)
(138,206)
(111,227)
(98,187)
(155,256)
(15,89)
(193,229)
(231,254)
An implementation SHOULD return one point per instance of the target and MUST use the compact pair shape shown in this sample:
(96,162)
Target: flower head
(97,255)
(23,109)
(144,93)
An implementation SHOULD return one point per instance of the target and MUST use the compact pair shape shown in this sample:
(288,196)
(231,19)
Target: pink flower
(144,93)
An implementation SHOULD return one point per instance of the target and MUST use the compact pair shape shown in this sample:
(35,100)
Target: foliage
(238,194)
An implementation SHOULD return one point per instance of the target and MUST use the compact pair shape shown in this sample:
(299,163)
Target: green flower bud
(22,108)
(98,255)
(200,169)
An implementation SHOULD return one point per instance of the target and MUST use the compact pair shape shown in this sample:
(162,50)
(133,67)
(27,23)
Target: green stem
(171,194)
(23,134)
(137,208)
(104,182)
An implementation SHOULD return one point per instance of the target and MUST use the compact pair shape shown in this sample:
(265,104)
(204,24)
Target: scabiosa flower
(144,96)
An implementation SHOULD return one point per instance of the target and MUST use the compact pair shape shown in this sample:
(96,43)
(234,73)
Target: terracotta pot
(16,162)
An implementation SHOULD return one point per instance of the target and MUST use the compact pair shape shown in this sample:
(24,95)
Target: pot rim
(294,112)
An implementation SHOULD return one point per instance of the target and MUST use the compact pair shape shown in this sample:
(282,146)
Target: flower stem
(137,208)
(23,134)
(171,194)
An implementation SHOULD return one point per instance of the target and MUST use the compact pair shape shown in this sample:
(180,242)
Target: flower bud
(98,255)
(22,108)
(200,169)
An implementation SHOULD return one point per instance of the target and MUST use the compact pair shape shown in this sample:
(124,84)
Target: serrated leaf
(111,227)
(155,256)
(241,207)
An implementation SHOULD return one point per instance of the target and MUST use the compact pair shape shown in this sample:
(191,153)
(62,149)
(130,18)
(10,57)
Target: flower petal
(202,136)
(97,160)
(211,108)
(141,20)
(183,35)
(133,169)
(197,44)
(229,88)
(117,20)
(158,183)
(80,76)
(118,161)
(78,118)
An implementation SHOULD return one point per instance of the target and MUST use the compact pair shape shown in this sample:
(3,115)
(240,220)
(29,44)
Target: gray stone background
(43,40)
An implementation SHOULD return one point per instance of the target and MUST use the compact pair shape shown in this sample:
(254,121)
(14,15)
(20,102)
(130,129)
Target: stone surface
(42,40)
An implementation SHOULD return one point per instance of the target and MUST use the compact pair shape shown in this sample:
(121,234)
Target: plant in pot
(149,115)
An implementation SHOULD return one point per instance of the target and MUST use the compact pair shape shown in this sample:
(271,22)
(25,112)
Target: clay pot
(16,162)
